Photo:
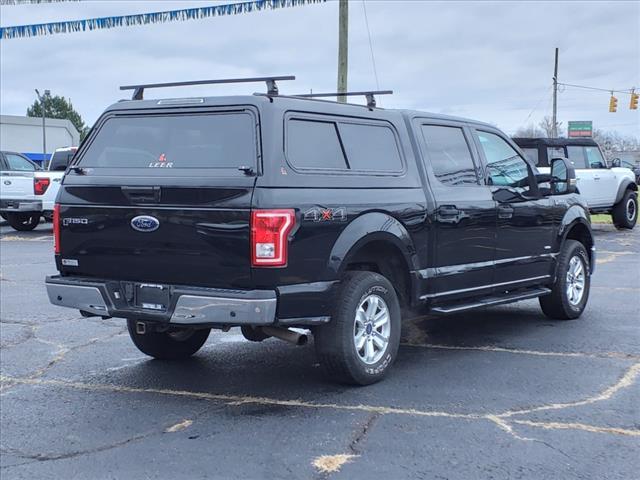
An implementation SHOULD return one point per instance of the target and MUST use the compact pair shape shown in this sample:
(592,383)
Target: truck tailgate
(203,240)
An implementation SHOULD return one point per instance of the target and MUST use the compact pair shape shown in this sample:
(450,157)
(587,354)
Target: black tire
(557,304)
(625,212)
(335,341)
(23,222)
(176,343)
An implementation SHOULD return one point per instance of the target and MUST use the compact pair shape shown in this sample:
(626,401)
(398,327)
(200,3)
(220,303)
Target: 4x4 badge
(317,214)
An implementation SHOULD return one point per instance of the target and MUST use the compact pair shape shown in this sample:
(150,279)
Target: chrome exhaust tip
(286,335)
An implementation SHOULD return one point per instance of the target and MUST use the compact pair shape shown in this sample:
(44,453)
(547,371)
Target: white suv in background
(610,190)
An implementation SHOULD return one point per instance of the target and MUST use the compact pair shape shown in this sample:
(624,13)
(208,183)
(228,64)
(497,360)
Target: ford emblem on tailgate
(145,223)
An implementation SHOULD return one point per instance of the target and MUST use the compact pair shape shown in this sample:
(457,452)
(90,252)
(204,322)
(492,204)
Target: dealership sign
(581,129)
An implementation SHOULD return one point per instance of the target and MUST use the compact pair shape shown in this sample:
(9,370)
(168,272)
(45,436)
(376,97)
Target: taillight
(269,236)
(40,185)
(56,229)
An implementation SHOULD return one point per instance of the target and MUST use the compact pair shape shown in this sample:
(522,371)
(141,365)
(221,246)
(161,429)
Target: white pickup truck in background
(608,190)
(27,192)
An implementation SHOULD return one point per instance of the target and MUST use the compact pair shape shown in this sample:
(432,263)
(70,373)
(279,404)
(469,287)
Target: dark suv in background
(269,212)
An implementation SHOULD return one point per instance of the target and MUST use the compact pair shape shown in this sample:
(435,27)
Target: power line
(373,59)
(542,97)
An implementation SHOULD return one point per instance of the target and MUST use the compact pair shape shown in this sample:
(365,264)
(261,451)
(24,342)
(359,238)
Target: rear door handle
(505,211)
(448,210)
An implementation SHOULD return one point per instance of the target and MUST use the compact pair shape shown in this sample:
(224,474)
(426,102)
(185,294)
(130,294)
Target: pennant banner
(21,31)
(26,2)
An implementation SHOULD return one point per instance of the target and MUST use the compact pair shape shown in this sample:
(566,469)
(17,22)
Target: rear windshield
(196,141)
(60,160)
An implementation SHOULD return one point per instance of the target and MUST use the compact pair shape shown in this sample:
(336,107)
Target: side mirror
(615,163)
(563,177)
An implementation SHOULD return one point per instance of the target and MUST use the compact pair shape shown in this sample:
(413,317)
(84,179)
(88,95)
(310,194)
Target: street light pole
(44,127)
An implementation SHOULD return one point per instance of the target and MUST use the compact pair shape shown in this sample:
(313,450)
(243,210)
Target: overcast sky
(491,61)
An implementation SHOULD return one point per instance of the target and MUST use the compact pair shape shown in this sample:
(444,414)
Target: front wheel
(23,222)
(175,343)
(570,291)
(361,342)
(625,212)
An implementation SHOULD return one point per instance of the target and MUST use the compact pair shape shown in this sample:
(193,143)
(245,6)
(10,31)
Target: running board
(490,301)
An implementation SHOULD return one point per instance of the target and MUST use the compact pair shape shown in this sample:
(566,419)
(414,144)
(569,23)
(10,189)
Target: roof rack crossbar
(369,95)
(272,88)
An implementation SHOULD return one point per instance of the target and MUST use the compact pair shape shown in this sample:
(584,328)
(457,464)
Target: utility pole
(555,98)
(343,48)
(44,128)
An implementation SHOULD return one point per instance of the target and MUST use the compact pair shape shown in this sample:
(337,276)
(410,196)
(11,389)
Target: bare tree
(529,131)
(546,124)
(612,142)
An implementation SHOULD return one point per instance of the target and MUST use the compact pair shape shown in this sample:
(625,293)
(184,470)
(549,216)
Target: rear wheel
(625,212)
(361,342)
(570,292)
(23,222)
(175,343)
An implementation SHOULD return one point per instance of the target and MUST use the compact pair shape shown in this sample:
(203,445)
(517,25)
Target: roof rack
(272,88)
(369,95)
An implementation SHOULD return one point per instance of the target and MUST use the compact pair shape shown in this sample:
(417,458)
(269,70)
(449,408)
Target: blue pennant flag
(21,31)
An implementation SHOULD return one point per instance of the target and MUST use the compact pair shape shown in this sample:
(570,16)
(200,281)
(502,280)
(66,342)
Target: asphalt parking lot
(502,393)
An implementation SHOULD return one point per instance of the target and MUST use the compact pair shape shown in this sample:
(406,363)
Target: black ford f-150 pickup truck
(270,212)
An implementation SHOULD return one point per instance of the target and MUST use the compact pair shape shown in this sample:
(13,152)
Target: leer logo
(161,163)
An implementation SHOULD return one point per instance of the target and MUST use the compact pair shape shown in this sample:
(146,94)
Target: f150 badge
(318,214)
(145,223)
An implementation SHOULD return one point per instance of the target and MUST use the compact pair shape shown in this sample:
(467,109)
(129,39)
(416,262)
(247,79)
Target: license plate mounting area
(151,296)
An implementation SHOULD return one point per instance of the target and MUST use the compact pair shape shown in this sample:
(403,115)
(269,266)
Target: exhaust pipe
(286,335)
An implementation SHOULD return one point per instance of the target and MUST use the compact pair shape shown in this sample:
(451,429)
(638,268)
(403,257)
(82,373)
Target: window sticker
(161,163)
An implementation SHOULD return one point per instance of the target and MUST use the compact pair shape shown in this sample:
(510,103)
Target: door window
(594,157)
(18,163)
(555,152)
(450,156)
(532,154)
(576,156)
(506,167)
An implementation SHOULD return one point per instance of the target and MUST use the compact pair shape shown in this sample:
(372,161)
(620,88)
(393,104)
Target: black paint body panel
(203,238)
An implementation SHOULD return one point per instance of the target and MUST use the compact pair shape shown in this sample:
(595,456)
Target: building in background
(24,135)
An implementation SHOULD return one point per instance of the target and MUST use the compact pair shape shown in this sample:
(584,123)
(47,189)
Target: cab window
(505,166)
(18,163)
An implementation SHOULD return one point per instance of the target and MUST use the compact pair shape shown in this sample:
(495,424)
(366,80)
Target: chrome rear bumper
(188,305)
(19,205)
